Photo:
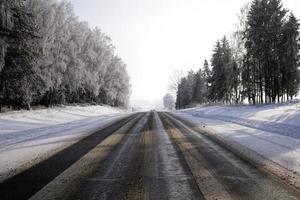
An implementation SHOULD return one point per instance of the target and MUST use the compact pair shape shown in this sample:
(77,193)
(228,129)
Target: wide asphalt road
(147,156)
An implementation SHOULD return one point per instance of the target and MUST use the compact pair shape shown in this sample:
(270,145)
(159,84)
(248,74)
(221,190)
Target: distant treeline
(48,57)
(260,63)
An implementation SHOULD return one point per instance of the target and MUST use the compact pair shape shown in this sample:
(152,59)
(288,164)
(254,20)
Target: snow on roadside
(27,137)
(22,120)
(273,131)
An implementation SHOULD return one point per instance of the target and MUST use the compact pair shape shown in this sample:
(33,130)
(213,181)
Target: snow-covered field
(273,131)
(27,137)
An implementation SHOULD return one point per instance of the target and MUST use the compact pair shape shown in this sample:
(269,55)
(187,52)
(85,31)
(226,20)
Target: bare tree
(169,102)
(174,81)
(237,41)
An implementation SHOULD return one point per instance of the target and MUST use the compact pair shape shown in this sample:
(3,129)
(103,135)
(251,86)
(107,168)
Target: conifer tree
(217,73)
(207,77)
(199,88)
(290,57)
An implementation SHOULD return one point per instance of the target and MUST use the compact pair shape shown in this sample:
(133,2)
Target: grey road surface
(146,156)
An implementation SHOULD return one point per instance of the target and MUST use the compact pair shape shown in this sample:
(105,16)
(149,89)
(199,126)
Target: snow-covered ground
(22,120)
(27,137)
(273,131)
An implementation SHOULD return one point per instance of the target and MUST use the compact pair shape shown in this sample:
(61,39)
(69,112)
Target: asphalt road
(147,156)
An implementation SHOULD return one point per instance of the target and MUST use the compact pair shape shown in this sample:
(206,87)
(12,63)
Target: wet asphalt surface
(146,156)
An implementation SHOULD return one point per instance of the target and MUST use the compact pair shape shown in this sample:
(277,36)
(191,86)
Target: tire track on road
(250,156)
(238,178)
(30,181)
(118,176)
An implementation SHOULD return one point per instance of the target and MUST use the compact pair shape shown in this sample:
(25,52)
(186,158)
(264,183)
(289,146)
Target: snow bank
(28,137)
(283,119)
(273,131)
(23,120)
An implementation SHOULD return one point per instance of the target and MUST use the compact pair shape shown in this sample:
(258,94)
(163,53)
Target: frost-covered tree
(19,81)
(115,90)
(169,102)
(49,57)
(174,81)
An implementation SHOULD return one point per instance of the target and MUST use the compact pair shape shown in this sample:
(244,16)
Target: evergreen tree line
(260,64)
(49,57)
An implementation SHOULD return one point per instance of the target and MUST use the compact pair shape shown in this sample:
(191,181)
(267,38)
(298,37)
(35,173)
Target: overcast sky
(157,37)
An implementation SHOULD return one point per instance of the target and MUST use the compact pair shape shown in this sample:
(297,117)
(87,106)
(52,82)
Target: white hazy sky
(157,37)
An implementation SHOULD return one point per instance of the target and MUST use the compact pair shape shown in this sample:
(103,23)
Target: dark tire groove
(218,165)
(156,188)
(184,163)
(24,185)
(118,172)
